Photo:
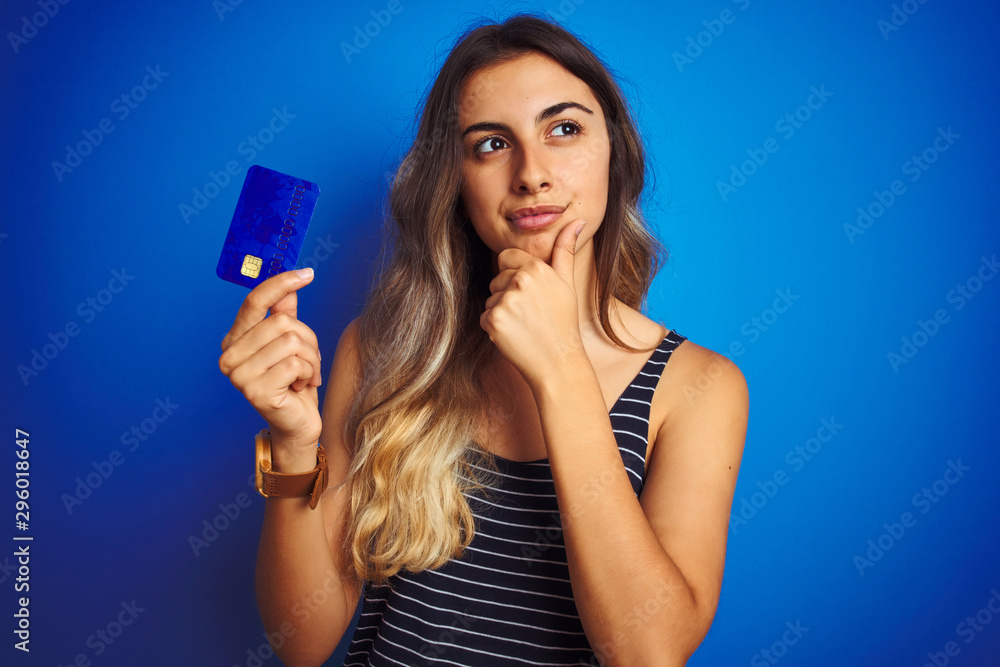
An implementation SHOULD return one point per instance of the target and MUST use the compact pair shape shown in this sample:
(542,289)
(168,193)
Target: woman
(518,476)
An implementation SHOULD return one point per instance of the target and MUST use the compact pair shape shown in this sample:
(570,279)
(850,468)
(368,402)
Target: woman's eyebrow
(544,115)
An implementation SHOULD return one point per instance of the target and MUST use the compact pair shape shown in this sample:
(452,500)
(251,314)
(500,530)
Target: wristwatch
(289,485)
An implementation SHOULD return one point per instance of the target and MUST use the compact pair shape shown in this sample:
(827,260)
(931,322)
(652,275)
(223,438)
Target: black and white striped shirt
(507,600)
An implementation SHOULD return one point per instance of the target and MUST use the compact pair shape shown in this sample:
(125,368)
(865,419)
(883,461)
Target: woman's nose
(533,171)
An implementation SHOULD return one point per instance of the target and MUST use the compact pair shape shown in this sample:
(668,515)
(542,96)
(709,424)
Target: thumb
(564,250)
(289,302)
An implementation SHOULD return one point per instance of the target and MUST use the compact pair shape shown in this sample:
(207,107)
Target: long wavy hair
(421,348)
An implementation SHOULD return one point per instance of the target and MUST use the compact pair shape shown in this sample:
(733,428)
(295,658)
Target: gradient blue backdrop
(225,70)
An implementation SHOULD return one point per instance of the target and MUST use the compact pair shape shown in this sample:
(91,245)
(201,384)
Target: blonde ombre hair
(421,348)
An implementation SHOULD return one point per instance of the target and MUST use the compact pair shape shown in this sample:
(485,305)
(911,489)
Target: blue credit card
(268,227)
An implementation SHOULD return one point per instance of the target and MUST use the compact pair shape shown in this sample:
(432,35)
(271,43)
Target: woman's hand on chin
(532,314)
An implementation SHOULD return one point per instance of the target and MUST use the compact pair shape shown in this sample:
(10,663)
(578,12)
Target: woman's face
(534,136)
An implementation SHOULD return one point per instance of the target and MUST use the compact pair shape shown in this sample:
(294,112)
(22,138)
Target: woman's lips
(532,222)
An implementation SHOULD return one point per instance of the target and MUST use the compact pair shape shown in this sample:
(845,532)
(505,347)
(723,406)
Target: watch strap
(290,485)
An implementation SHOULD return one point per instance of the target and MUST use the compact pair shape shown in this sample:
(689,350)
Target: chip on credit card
(268,227)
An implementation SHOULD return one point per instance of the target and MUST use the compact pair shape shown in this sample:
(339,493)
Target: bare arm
(273,358)
(300,592)
(650,599)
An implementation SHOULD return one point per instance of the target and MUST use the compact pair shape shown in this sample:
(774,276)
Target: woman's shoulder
(693,373)
(697,373)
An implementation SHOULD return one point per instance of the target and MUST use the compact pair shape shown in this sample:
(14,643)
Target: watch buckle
(263,450)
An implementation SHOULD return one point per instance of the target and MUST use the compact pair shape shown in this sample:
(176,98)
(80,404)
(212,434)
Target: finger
(501,280)
(485,324)
(298,364)
(564,250)
(492,302)
(512,258)
(270,389)
(276,353)
(294,337)
(288,372)
(263,333)
(266,296)
(289,304)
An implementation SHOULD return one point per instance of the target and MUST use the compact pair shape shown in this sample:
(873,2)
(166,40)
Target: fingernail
(579,228)
(304,274)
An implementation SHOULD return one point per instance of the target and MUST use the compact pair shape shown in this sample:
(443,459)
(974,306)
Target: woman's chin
(538,246)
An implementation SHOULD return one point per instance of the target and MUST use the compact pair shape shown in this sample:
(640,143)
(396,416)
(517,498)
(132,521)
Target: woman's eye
(572,126)
(490,142)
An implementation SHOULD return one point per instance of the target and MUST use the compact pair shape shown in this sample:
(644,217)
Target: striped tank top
(507,600)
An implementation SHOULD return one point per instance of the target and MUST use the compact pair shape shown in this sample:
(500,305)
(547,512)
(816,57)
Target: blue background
(346,122)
